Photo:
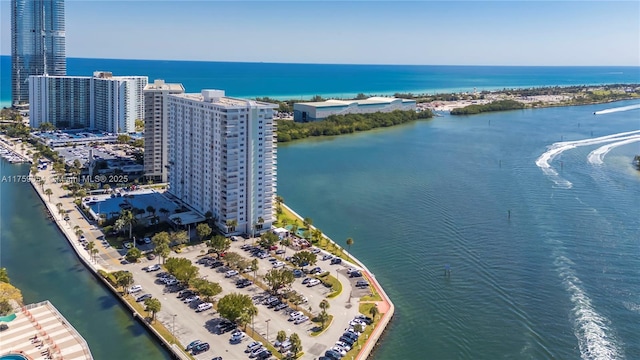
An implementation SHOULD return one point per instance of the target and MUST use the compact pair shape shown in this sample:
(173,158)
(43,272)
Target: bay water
(543,265)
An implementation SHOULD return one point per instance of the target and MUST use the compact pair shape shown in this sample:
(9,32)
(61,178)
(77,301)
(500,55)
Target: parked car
(339,350)
(278,264)
(333,355)
(192,344)
(280,306)
(264,355)
(185,293)
(257,351)
(306,280)
(315,250)
(343,345)
(230,273)
(366,319)
(204,307)
(191,298)
(200,348)
(315,270)
(297,273)
(135,288)
(143,297)
(301,319)
(356,273)
(154,267)
(362,283)
(150,256)
(327,257)
(280,251)
(252,346)
(313,282)
(237,337)
(336,261)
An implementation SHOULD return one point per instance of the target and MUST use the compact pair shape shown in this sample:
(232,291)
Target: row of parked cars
(348,338)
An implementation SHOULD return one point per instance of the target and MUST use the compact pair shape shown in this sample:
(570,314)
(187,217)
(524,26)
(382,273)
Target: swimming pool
(13,357)
(112,206)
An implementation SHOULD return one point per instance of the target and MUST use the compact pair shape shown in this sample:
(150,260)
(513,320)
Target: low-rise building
(314,111)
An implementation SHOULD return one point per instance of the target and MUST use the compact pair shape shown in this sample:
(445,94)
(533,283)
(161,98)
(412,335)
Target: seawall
(378,331)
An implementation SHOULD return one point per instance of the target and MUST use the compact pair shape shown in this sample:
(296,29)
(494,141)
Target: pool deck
(40,332)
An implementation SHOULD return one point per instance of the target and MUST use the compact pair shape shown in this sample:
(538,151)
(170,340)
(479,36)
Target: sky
(578,33)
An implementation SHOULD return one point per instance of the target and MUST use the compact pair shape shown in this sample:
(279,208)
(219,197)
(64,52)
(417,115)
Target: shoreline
(387,309)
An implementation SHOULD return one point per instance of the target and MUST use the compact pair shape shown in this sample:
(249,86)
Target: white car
(230,273)
(278,264)
(204,307)
(191,298)
(313,282)
(301,319)
(154,267)
(343,345)
(135,289)
(252,346)
(294,315)
(237,337)
(339,350)
(257,351)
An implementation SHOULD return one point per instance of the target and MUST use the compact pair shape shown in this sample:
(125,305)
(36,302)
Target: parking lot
(188,325)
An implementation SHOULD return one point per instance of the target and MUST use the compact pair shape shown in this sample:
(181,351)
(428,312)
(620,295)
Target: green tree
(219,244)
(285,242)
(231,225)
(349,243)
(278,278)
(236,307)
(161,242)
(296,344)
(123,139)
(203,230)
(8,294)
(374,312)
(151,210)
(79,232)
(90,246)
(133,255)
(282,336)
(124,279)
(268,239)
(182,269)
(233,259)
(307,222)
(180,237)
(208,216)
(48,192)
(153,306)
(206,288)
(254,268)
(324,305)
(302,257)
(4,275)
(128,219)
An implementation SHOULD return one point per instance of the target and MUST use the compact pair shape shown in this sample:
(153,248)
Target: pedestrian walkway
(39,331)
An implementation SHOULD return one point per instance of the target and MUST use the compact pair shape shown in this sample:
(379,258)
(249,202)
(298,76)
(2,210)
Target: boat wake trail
(543,162)
(595,157)
(617,109)
(590,328)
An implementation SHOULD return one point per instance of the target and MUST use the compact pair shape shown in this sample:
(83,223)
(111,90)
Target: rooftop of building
(370,101)
(218,97)
(159,84)
(39,329)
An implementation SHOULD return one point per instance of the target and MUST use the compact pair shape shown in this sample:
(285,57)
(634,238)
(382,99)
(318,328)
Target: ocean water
(545,260)
(305,80)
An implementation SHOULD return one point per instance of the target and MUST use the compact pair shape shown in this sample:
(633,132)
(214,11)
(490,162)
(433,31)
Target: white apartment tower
(101,102)
(156,116)
(222,158)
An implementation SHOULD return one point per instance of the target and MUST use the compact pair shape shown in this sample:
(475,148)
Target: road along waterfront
(108,260)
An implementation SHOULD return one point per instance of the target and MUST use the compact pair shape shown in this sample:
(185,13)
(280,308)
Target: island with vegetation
(346,124)
(500,105)
(636,162)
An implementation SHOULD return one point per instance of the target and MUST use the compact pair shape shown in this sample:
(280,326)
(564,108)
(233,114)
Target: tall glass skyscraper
(37,43)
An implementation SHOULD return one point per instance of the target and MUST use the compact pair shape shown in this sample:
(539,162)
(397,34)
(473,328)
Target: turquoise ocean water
(306,80)
(559,279)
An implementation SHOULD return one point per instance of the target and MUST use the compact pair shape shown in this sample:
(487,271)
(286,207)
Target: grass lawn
(336,286)
(329,322)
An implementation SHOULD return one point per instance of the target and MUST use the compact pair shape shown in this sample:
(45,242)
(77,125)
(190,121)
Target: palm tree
(231,225)
(62,212)
(349,243)
(79,232)
(164,211)
(48,192)
(90,246)
(151,210)
(94,252)
(374,312)
(41,182)
(324,305)
(128,219)
(307,222)
(59,206)
(153,306)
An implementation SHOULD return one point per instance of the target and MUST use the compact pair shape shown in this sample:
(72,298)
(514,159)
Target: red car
(274,247)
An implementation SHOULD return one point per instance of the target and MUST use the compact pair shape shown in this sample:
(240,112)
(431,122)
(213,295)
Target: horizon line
(352,64)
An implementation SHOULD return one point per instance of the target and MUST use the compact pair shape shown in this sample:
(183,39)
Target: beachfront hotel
(100,102)
(222,158)
(37,44)
(314,111)
(156,116)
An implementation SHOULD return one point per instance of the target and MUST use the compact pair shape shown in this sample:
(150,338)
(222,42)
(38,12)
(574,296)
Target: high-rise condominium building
(156,116)
(37,43)
(101,102)
(222,158)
